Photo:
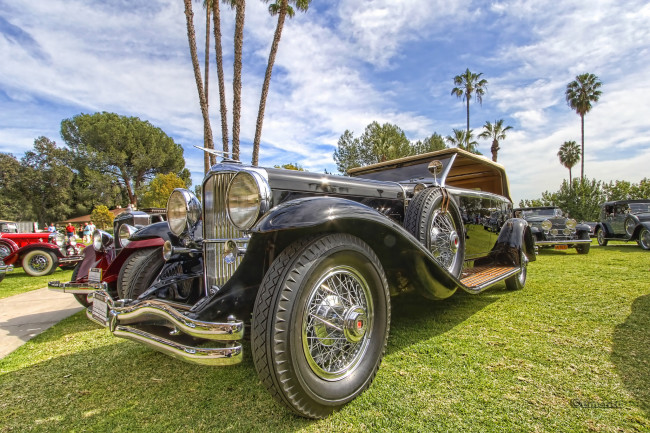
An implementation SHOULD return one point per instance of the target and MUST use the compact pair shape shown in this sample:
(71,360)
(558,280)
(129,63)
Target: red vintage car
(37,254)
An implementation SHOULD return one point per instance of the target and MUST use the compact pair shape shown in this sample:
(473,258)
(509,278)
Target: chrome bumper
(119,317)
(564,242)
(70,259)
(76,288)
(6,268)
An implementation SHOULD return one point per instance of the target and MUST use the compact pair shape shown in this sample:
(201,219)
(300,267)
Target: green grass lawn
(577,335)
(18,281)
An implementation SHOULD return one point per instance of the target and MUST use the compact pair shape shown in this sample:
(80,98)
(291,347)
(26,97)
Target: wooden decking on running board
(476,276)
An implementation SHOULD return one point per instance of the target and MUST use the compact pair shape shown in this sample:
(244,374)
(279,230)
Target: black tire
(517,282)
(629,226)
(319,296)
(644,239)
(82,299)
(583,248)
(600,237)
(441,232)
(38,263)
(138,272)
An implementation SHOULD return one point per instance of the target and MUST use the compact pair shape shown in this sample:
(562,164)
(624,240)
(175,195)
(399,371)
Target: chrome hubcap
(444,239)
(4,251)
(337,323)
(38,263)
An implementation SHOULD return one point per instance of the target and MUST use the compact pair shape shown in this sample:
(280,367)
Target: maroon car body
(36,254)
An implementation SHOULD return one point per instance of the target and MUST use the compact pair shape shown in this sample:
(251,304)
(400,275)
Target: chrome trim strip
(76,288)
(233,330)
(6,268)
(195,355)
(70,259)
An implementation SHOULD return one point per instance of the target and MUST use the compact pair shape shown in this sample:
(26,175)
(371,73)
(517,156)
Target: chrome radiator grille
(216,231)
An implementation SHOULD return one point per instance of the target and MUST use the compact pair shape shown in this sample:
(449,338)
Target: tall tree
(11,199)
(191,37)
(240,8)
(468,84)
(497,133)
(216,16)
(282,9)
(128,149)
(463,140)
(569,155)
(580,93)
(157,192)
(430,144)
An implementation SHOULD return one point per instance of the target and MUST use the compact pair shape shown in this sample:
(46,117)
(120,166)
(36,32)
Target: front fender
(401,254)
(637,230)
(155,230)
(515,236)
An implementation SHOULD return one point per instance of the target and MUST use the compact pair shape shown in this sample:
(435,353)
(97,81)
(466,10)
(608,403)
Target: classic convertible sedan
(625,220)
(311,261)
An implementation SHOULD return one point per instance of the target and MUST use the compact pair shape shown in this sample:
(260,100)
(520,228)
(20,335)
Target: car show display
(118,263)
(624,220)
(308,262)
(39,253)
(552,228)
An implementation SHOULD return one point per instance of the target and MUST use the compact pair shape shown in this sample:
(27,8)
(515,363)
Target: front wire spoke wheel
(334,332)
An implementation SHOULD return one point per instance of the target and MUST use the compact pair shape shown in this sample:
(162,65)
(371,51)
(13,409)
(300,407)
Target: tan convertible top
(468,170)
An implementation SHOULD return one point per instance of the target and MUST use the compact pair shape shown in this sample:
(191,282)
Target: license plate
(561,247)
(100,309)
(95,275)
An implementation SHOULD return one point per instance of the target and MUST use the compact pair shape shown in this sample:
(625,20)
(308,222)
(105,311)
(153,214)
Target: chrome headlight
(245,200)
(183,211)
(101,240)
(60,240)
(571,224)
(124,234)
(73,242)
(546,225)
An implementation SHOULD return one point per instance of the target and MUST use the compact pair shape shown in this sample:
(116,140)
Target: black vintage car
(551,228)
(310,262)
(625,220)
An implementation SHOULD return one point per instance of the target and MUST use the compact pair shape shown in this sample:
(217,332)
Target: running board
(479,278)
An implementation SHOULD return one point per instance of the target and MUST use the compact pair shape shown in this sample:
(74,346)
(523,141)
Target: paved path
(26,315)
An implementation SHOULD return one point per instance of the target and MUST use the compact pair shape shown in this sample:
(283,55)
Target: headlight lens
(101,240)
(546,225)
(183,211)
(571,224)
(125,233)
(60,240)
(243,201)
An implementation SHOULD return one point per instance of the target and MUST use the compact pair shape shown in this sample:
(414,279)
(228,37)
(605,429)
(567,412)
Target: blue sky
(342,65)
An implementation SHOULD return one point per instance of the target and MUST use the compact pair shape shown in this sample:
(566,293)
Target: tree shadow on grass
(631,352)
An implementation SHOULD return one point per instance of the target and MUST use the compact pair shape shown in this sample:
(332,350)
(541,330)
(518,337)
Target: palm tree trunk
(267,81)
(191,36)
(236,82)
(216,16)
(207,156)
(467,137)
(494,149)
(582,155)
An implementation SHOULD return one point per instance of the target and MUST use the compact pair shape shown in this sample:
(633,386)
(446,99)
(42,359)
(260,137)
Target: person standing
(69,229)
(86,233)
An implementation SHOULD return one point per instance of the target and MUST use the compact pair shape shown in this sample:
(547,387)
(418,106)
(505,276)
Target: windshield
(527,213)
(640,207)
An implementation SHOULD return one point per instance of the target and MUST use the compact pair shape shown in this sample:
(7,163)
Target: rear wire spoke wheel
(644,239)
(320,323)
(600,237)
(440,230)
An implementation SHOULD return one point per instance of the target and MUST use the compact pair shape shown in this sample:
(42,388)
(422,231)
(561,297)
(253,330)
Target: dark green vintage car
(309,262)
(552,228)
(625,220)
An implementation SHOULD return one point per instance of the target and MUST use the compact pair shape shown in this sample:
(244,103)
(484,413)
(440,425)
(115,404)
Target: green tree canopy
(291,166)
(379,143)
(102,217)
(569,155)
(157,192)
(581,199)
(11,198)
(128,150)
(463,140)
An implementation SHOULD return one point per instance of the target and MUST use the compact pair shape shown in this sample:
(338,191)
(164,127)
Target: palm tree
(240,7)
(497,133)
(579,94)
(463,140)
(569,155)
(469,84)
(216,17)
(281,8)
(191,36)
